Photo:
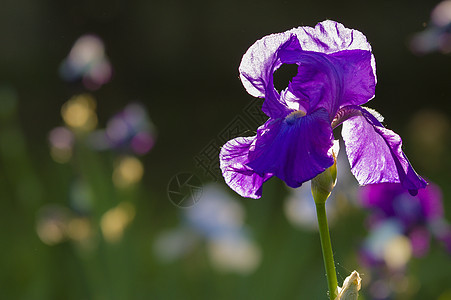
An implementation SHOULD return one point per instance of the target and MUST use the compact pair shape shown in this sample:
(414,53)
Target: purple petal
(391,200)
(319,83)
(257,68)
(375,153)
(262,59)
(419,239)
(381,196)
(241,178)
(358,77)
(330,37)
(260,62)
(294,149)
(330,81)
(431,202)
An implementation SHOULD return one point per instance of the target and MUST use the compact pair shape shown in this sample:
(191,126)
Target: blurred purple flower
(129,130)
(336,74)
(400,227)
(437,36)
(417,217)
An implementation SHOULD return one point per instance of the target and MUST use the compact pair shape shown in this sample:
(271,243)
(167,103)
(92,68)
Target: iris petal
(295,150)
(257,67)
(358,77)
(375,153)
(241,178)
(330,37)
(331,81)
(319,80)
(262,59)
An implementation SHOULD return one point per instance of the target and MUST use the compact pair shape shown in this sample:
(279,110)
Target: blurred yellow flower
(115,220)
(128,171)
(79,112)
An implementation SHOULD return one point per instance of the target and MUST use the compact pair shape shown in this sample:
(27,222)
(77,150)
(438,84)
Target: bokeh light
(234,253)
(79,112)
(437,36)
(115,220)
(397,252)
(61,142)
(430,136)
(51,224)
(173,244)
(219,220)
(215,213)
(300,209)
(299,206)
(441,14)
(80,229)
(87,61)
(127,172)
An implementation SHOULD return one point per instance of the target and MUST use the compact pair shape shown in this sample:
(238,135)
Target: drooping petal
(294,149)
(240,177)
(375,153)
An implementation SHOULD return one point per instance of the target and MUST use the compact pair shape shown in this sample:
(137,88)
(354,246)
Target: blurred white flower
(173,244)
(216,213)
(300,207)
(219,220)
(437,36)
(234,253)
(87,61)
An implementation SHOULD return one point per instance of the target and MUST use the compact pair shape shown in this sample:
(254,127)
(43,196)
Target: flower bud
(351,287)
(324,183)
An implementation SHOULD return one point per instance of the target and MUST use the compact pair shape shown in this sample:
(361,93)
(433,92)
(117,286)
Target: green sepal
(324,183)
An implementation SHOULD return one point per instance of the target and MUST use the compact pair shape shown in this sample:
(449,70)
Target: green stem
(326,247)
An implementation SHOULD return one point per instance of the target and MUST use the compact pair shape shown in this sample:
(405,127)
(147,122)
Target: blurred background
(111,112)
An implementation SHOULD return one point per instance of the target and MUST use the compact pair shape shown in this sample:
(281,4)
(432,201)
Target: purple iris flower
(417,216)
(336,74)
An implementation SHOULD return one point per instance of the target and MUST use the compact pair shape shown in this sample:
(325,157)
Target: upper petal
(240,177)
(295,150)
(262,59)
(318,83)
(358,76)
(330,37)
(375,153)
(331,81)
(257,67)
